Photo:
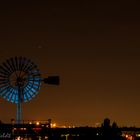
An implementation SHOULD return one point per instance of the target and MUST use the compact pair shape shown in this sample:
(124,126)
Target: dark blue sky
(93,46)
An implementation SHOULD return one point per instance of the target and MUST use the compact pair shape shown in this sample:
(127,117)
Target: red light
(37,128)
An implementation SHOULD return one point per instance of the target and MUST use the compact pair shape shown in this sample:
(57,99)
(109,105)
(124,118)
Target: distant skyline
(93,46)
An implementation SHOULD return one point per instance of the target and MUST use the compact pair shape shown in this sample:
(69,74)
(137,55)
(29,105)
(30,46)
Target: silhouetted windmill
(20,81)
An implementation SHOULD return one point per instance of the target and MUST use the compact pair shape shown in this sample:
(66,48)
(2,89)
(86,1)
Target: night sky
(94,46)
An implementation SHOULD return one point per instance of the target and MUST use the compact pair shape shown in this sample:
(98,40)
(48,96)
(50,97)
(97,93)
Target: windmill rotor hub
(20,81)
(18,78)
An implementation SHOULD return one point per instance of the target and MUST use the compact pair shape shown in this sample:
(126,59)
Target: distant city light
(18,138)
(53,125)
(138,135)
(37,123)
(128,137)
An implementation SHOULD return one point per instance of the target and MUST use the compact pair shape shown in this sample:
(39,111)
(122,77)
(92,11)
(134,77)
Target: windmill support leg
(20,91)
(18,113)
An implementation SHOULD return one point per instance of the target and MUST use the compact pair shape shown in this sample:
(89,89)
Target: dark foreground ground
(43,132)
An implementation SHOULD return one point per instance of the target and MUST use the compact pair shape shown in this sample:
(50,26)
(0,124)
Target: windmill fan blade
(13,64)
(13,83)
(21,63)
(4,71)
(52,80)
(7,67)
(16,62)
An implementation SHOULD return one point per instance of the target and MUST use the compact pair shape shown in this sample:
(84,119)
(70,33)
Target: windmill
(20,81)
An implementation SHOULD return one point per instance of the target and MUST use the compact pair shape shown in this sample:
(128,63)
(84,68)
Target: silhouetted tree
(106,129)
(106,123)
(116,133)
(110,132)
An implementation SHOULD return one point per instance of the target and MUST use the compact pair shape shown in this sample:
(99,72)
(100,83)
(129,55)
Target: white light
(138,135)
(97,134)
(37,123)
